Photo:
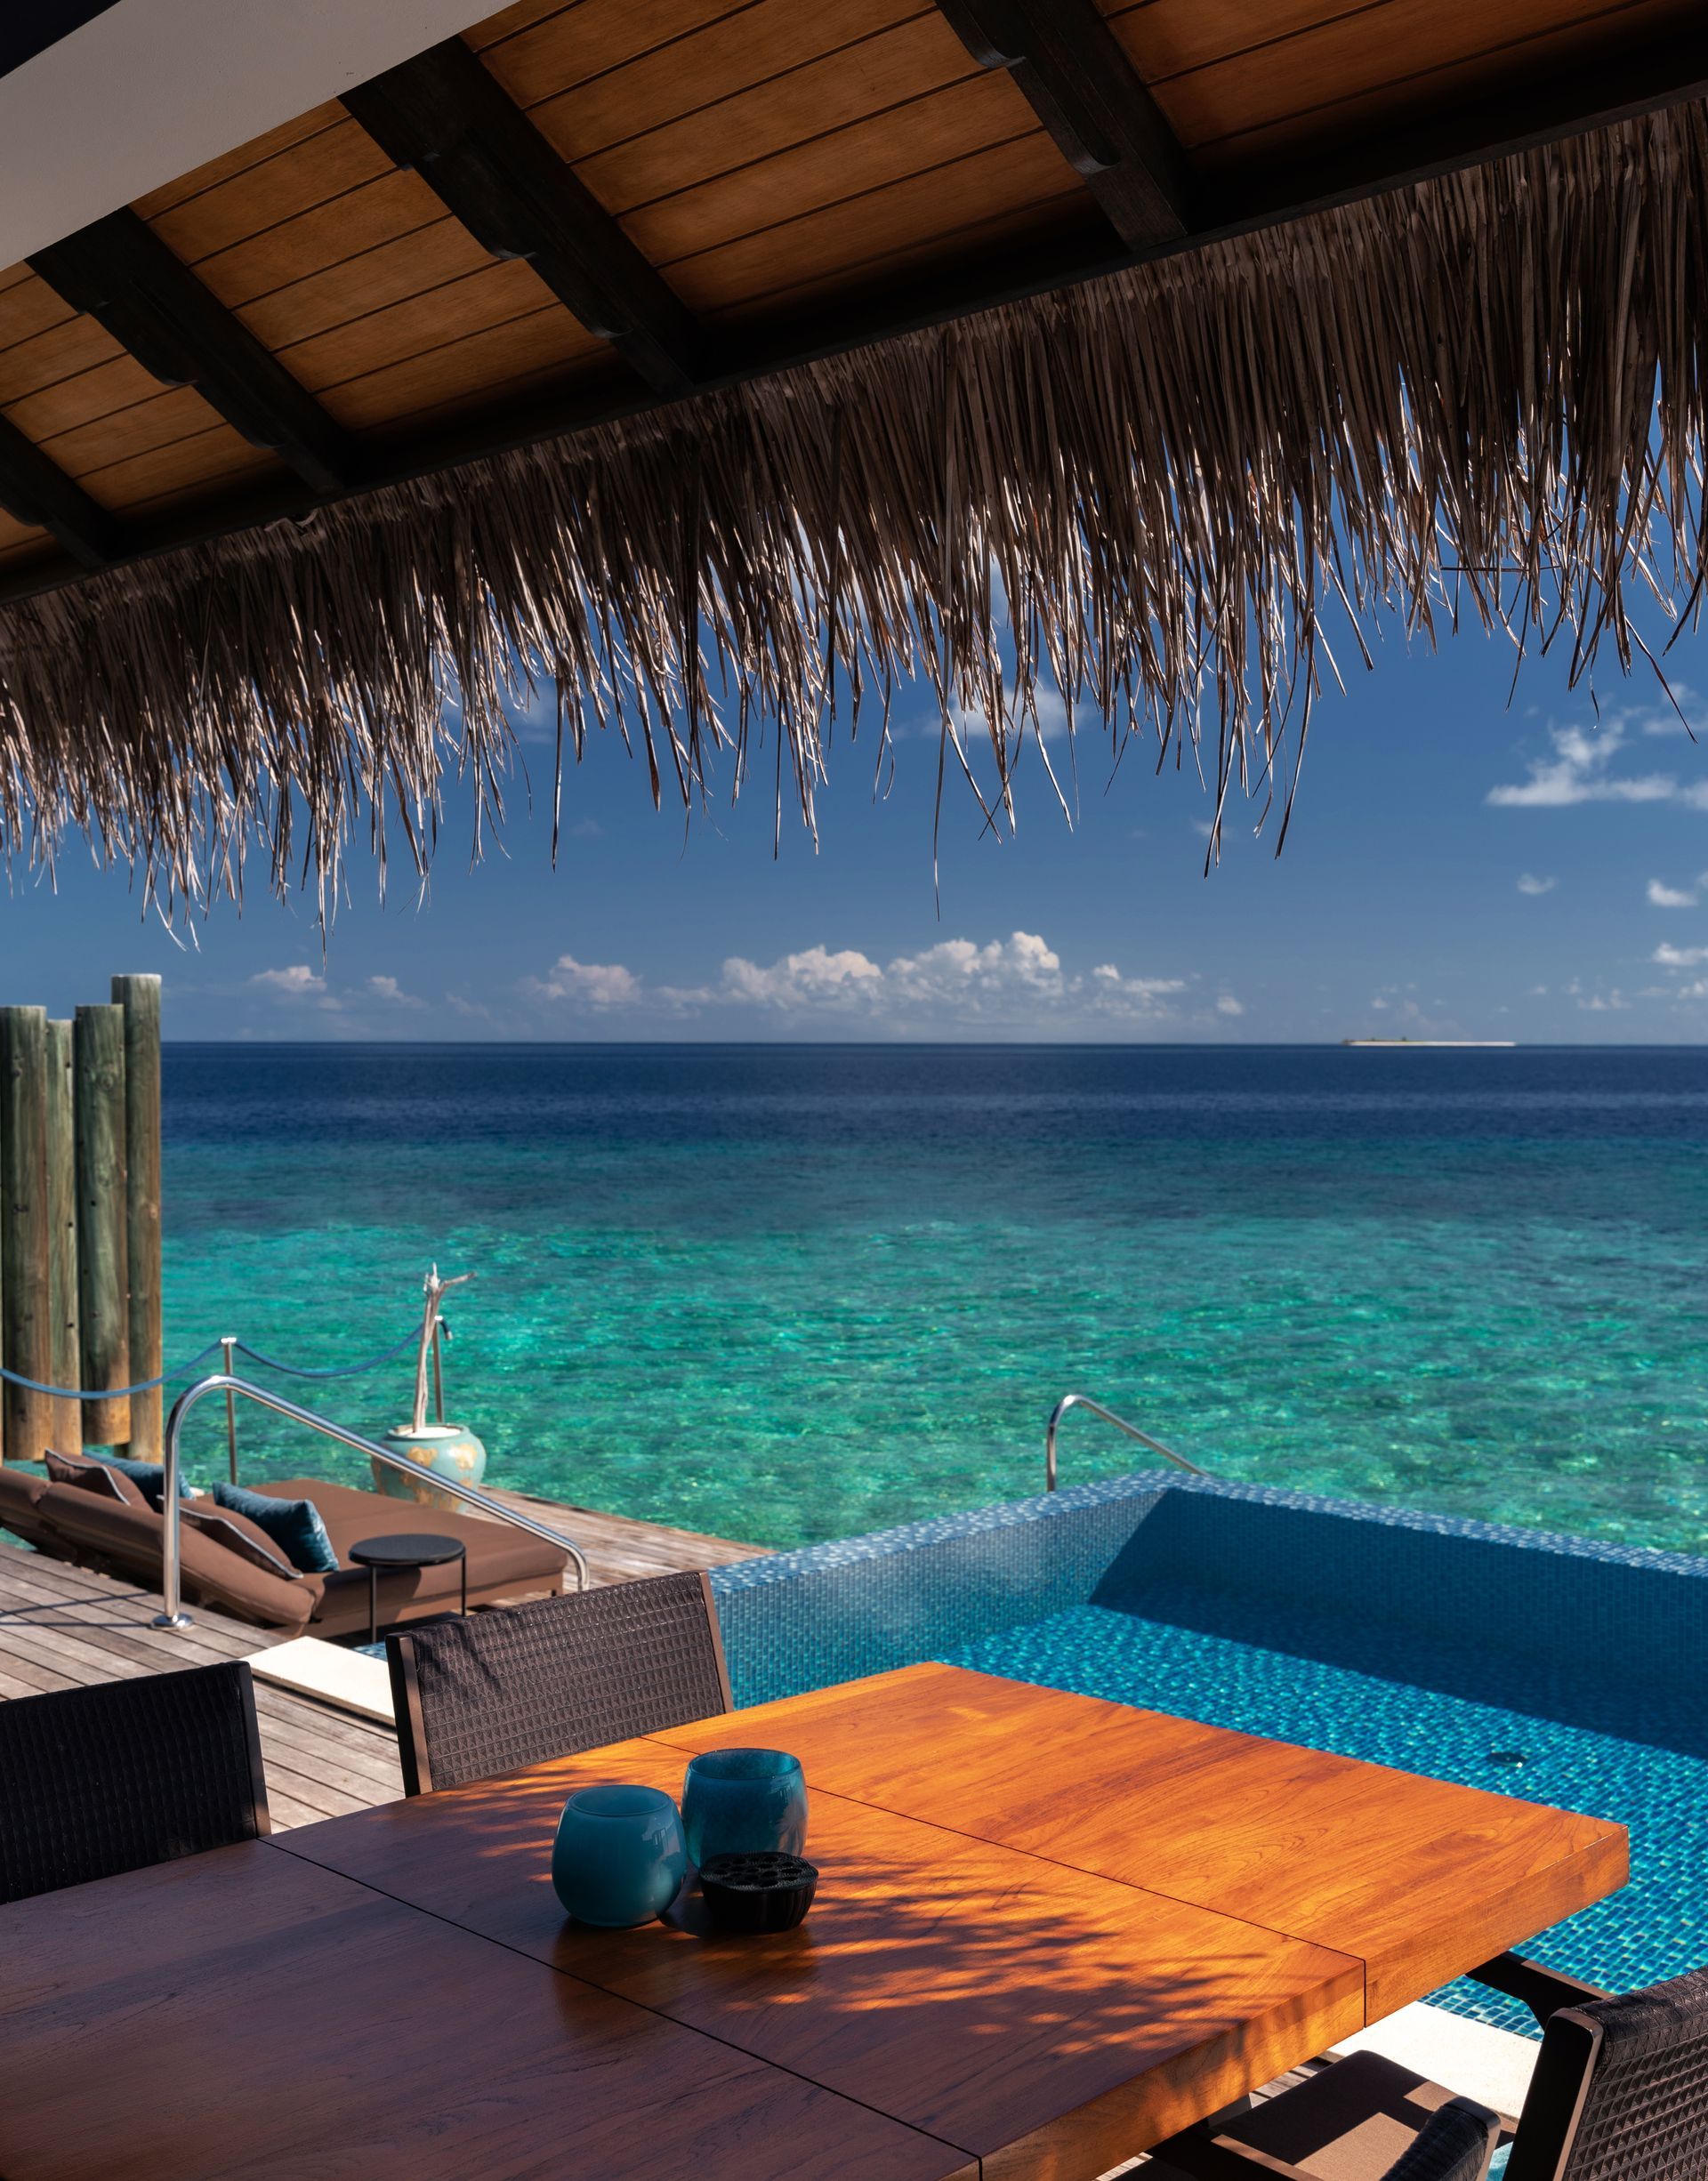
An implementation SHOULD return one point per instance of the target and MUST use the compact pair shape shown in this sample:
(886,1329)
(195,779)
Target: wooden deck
(61,1626)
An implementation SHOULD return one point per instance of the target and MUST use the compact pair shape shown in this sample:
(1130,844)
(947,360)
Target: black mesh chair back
(1455,2144)
(97,1781)
(515,1685)
(1620,2090)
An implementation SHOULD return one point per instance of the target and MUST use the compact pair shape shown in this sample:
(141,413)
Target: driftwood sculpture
(432,1288)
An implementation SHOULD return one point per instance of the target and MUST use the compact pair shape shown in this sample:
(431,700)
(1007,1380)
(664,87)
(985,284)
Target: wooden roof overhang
(574,212)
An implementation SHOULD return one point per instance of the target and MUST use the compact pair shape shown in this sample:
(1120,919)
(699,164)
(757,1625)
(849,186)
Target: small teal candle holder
(619,1858)
(743,1802)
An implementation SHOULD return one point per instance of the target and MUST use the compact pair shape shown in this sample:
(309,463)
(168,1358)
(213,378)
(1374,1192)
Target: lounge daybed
(71,1522)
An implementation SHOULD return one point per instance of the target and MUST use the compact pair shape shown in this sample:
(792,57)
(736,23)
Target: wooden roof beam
(445,115)
(121,274)
(1076,76)
(35,490)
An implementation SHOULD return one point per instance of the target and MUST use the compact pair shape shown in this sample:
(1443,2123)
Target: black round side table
(411,1548)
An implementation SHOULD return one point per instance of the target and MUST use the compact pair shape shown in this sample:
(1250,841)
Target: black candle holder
(757,1893)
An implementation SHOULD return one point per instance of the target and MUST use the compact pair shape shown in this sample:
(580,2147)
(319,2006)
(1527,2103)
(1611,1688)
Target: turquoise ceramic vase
(445,1448)
(619,1857)
(743,1802)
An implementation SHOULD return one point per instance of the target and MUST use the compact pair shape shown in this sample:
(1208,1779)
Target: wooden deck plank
(64,1627)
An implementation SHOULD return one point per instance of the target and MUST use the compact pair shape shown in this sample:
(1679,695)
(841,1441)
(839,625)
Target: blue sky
(1457,867)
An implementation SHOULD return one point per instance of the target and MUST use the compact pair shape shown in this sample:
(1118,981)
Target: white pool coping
(309,1666)
(1471,2058)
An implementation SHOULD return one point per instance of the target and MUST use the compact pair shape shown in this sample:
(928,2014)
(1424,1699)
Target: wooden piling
(139,997)
(65,1423)
(103,1313)
(24,1229)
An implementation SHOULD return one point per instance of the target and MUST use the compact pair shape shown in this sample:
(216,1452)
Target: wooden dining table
(1050,1931)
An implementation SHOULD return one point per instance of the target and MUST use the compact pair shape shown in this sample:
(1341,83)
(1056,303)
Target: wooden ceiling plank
(720,60)
(239,159)
(558,375)
(120,272)
(36,491)
(176,414)
(854,83)
(170,475)
(108,389)
(1529,94)
(443,114)
(1168,37)
(510,22)
(75,345)
(1025,173)
(29,307)
(328,166)
(418,263)
(597,38)
(1302,76)
(877,283)
(327,236)
(462,369)
(493,295)
(948,125)
(1075,74)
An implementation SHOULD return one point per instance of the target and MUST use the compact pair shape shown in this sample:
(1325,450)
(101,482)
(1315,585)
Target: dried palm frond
(1159,489)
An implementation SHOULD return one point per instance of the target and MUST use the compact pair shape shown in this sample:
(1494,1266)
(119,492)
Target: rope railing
(189,1370)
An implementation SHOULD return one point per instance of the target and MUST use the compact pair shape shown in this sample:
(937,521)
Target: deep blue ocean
(789,1293)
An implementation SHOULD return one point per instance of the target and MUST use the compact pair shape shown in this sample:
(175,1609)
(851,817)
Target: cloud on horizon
(1016,983)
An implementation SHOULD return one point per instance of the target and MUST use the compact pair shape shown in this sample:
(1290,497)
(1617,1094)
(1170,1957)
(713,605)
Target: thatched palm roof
(1171,483)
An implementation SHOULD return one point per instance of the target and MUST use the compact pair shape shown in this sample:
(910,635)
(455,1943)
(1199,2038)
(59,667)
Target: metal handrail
(221,1381)
(1084,1401)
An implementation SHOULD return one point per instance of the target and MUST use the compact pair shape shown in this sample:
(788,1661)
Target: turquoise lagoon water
(789,1294)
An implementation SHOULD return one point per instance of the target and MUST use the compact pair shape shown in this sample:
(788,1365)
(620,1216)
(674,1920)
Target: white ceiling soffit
(150,88)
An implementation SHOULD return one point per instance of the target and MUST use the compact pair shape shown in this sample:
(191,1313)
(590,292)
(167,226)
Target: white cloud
(1579,768)
(1662,896)
(299,981)
(1611,1002)
(1227,1005)
(1019,982)
(589,984)
(1529,883)
(1671,957)
(814,978)
(388,988)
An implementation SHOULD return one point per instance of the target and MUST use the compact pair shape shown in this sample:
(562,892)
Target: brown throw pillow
(236,1535)
(92,1476)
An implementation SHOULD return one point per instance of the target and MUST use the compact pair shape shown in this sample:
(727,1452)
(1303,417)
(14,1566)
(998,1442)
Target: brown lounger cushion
(84,1473)
(234,1533)
(503,1562)
(20,1497)
(128,1537)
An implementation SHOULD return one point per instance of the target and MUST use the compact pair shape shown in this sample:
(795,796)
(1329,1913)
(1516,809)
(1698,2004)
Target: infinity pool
(1545,1668)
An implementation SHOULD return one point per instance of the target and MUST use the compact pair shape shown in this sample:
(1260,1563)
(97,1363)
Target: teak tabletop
(1049,1930)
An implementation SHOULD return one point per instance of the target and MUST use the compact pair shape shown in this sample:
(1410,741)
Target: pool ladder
(1084,1401)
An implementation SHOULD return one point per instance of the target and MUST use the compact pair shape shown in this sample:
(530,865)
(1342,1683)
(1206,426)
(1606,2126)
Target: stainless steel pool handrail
(173,1614)
(1084,1401)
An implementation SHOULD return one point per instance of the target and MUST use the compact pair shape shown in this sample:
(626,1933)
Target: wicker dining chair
(99,1780)
(516,1685)
(1620,2093)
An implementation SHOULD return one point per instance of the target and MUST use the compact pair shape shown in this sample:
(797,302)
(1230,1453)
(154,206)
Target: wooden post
(65,1427)
(103,1314)
(24,1228)
(139,997)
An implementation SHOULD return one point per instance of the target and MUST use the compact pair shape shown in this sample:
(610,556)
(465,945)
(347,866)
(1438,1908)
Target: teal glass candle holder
(743,1802)
(619,1858)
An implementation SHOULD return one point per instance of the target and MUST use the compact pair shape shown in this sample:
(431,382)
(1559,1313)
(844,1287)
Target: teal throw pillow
(295,1526)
